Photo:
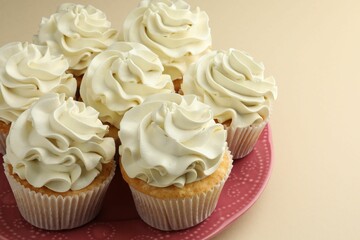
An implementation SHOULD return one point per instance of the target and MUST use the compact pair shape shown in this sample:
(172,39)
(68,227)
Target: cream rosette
(29,71)
(171,29)
(171,140)
(120,78)
(58,144)
(233,84)
(77,31)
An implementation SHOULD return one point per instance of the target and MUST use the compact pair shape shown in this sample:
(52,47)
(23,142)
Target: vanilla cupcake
(29,71)
(120,78)
(79,32)
(175,159)
(58,163)
(173,30)
(233,84)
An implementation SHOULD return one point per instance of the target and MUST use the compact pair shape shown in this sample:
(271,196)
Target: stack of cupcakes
(157,98)
(58,159)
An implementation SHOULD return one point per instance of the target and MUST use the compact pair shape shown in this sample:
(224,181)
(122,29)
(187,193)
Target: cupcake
(29,71)
(173,30)
(79,32)
(120,78)
(175,159)
(58,163)
(233,84)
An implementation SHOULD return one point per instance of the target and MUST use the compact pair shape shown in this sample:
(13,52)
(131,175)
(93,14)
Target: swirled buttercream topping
(171,29)
(77,31)
(58,144)
(120,78)
(171,140)
(233,84)
(28,71)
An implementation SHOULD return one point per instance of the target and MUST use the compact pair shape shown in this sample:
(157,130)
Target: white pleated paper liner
(4,132)
(58,212)
(3,137)
(178,213)
(241,141)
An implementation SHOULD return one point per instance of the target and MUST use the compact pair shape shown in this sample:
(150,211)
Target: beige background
(312,48)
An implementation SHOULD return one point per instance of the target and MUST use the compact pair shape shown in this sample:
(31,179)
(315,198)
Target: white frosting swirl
(77,31)
(58,144)
(28,71)
(171,140)
(233,84)
(120,78)
(171,29)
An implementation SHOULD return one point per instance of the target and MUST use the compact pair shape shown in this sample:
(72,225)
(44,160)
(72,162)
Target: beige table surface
(312,48)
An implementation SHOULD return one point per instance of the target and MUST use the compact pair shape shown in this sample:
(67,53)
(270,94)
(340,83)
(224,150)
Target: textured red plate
(119,220)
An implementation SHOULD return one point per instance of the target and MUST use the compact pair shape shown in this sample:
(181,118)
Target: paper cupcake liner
(179,213)
(3,137)
(57,212)
(241,141)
